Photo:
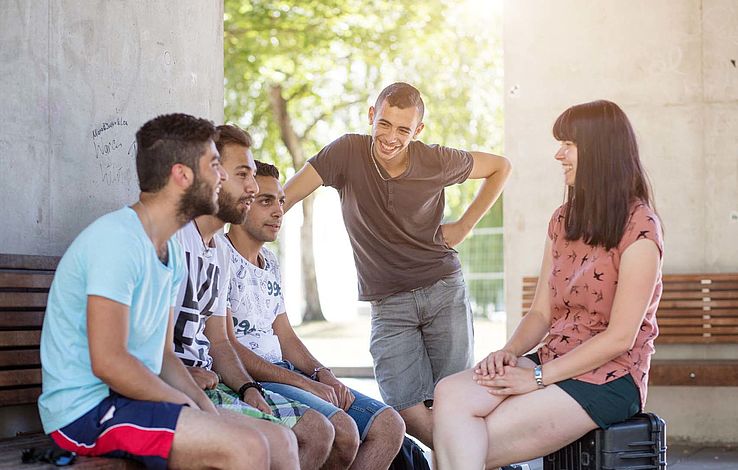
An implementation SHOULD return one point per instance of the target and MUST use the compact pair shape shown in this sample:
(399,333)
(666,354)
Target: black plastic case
(636,444)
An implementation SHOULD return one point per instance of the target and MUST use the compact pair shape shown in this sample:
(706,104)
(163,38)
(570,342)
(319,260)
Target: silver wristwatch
(538,374)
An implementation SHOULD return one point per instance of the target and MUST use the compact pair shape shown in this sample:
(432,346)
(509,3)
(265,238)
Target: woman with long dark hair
(592,317)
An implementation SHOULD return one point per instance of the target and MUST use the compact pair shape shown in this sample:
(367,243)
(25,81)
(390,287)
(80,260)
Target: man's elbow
(505,167)
(104,368)
(499,169)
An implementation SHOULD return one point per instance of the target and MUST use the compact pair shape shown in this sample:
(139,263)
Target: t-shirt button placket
(390,195)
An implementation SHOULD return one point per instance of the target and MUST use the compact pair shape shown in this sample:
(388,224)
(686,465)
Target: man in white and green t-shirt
(200,337)
(265,340)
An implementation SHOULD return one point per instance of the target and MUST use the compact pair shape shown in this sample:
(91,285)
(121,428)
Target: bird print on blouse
(583,283)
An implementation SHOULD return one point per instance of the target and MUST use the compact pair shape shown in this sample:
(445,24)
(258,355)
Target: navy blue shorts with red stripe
(123,428)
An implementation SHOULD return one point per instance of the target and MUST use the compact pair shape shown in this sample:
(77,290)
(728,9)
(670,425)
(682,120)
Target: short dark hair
(609,176)
(167,140)
(265,169)
(232,134)
(401,95)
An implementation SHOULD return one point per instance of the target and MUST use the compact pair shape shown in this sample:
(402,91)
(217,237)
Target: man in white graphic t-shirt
(200,337)
(265,340)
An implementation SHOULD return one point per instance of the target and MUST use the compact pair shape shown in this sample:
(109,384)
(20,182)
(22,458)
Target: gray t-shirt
(394,226)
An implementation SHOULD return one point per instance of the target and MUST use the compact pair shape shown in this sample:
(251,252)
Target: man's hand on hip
(454,233)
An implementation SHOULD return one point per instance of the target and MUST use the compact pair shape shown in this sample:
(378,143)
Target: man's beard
(228,210)
(196,201)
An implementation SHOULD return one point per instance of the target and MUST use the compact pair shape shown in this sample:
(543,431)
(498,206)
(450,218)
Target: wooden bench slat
(679,322)
(667,304)
(700,277)
(16,319)
(677,282)
(728,321)
(668,326)
(687,295)
(31,279)
(711,330)
(37,262)
(20,338)
(20,377)
(20,357)
(692,339)
(721,330)
(713,373)
(696,313)
(20,396)
(23,299)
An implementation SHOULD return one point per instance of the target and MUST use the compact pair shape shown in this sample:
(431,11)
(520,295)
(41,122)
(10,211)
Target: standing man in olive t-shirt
(392,198)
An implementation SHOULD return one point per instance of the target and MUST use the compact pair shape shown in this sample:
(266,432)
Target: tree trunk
(293,142)
(312,310)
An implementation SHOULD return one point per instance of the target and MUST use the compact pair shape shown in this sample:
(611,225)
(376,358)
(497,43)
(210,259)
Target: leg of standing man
(418,338)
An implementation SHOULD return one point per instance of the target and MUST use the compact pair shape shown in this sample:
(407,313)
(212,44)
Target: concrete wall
(77,79)
(671,65)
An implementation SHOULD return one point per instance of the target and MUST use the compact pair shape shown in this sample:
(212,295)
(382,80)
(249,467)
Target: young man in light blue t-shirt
(112,384)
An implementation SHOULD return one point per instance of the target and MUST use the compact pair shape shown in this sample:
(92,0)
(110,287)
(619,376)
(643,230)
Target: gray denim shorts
(419,337)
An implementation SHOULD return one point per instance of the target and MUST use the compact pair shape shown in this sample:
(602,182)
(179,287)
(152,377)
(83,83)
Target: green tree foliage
(299,74)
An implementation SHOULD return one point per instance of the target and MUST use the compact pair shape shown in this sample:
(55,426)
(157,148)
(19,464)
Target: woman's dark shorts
(606,404)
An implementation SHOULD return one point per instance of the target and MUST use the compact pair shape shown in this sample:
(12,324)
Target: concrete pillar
(77,79)
(671,65)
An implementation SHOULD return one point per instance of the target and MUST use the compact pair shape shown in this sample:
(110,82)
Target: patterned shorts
(285,412)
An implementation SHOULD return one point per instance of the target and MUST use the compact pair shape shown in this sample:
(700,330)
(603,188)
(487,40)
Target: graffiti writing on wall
(114,150)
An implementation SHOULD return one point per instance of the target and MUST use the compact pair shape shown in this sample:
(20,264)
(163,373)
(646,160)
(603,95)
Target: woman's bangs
(563,128)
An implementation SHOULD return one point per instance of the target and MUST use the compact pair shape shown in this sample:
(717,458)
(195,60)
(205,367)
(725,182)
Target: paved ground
(682,457)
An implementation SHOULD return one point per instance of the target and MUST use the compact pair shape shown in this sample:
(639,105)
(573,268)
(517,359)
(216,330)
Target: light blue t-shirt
(115,259)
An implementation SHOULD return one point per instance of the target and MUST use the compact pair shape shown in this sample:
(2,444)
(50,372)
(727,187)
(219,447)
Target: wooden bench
(694,309)
(24,287)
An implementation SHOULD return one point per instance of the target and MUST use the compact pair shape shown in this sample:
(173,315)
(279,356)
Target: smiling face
(264,219)
(393,129)
(238,192)
(567,156)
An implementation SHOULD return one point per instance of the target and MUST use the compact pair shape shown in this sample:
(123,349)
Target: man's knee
(388,426)
(195,442)
(252,443)
(315,431)
(347,437)
(285,440)
(243,441)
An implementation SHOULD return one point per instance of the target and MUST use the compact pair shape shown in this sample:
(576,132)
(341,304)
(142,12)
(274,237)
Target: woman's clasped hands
(500,374)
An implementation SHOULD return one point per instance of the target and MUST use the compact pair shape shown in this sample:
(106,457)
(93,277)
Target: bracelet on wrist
(245,387)
(538,375)
(314,375)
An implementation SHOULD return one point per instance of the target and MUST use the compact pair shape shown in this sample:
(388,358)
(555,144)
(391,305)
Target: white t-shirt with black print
(201,294)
